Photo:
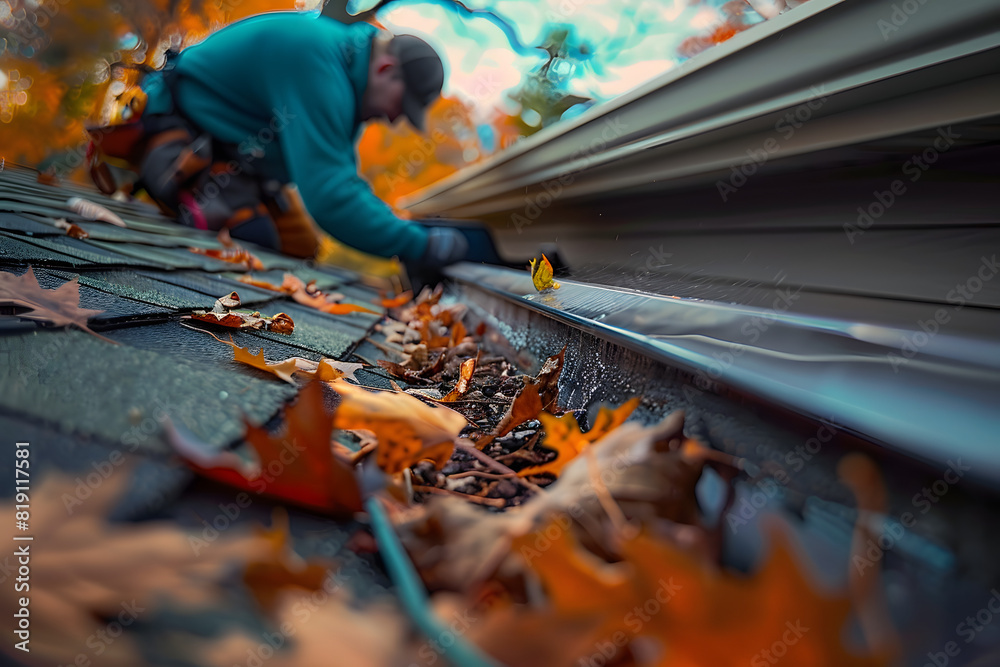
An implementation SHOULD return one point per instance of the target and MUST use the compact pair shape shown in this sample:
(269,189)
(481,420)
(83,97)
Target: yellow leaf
(541,274)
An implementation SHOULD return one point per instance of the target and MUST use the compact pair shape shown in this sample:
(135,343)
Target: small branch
(495,465)
(492,502)
(481,473)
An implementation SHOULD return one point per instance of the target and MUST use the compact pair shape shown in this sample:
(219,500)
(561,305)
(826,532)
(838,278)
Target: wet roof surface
(78,398)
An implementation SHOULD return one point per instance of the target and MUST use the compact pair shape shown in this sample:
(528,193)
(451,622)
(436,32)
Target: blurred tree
(66,60)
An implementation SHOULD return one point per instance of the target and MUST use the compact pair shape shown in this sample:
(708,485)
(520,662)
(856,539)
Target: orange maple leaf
(59,307)
(282,369)
(701,615)
(233,255)
(563,435)
(309,296)
(397,301)
(297,465)
(263,284)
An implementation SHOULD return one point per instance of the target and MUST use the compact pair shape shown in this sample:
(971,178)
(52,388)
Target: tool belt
(189,175)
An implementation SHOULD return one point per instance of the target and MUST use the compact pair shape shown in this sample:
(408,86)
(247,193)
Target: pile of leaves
(555,540)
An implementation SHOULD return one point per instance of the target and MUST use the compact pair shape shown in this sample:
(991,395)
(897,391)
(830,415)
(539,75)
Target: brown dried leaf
(91,211)
(59,307)
(651,477)
(408,430)
(74,230)
(464,377)
(282,568)
(281,323)
(234,254)
(85,570)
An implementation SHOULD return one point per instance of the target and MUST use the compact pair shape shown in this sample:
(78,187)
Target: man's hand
(444,246)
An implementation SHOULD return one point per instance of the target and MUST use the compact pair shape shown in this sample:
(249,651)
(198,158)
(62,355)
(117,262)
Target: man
(277,99)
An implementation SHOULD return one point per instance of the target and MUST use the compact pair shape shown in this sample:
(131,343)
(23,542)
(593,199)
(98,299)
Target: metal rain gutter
(934,406)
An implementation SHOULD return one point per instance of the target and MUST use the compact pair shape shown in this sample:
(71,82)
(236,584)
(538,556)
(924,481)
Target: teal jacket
(286,88)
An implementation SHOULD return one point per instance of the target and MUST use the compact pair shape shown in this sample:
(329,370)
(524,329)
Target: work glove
(444,246)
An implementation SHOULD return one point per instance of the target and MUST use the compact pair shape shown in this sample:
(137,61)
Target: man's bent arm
(319,152)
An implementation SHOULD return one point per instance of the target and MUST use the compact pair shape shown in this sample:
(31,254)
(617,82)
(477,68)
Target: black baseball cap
(423,75)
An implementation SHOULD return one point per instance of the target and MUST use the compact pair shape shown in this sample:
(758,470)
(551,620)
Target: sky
(612,45)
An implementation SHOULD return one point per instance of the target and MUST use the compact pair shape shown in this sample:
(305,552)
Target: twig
(492,463)
(408,484)
(387,350)
(492,502)
(482,473)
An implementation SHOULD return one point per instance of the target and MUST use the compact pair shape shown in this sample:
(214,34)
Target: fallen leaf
(408,430)
(281,323)
(48,177)
(458,333)
(720,618)
(228,302)
(232,255)
(649,476)
(297,465)
(328,370)
(541,274)
(402,372)
(464,377)
(563,435)
(282,369)
(308,295)
(59,307)
(538,394)
(91,211)
(231,319)
(222,315)
(330,630)
(74,230)
(396,302)
(85,570)
(262,284)
(282,568)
